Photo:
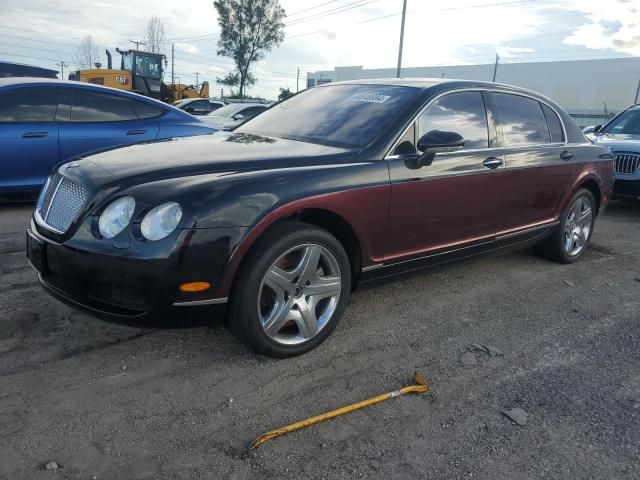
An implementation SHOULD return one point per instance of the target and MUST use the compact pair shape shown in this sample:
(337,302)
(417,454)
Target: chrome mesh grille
(60,203)
(627,163)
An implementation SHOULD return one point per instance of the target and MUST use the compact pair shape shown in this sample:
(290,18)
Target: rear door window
(522,120)
(463,113)
(146,110)
(555,126)
(100,107)
(29,105)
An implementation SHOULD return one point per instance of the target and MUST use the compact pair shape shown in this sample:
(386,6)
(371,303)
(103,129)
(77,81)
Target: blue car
(44,122)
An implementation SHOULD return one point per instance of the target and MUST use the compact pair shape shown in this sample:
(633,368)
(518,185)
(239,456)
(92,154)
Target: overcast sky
(321,34)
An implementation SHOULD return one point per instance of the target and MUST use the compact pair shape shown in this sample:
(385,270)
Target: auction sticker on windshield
(370,97)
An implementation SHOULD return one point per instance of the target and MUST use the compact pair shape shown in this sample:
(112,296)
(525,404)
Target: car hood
(219,152)
(618,142)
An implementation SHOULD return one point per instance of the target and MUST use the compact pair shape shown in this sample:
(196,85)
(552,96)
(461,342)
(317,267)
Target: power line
(343,8)
(310,8)
(28,56)
(37,41)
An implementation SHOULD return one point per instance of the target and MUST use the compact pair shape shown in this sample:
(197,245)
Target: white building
(587,89)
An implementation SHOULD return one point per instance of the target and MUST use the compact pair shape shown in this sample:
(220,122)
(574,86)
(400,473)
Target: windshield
(230,110)
(149,66)
(626,123)
(338,115)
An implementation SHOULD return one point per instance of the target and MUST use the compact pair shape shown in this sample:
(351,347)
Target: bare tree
(154,34)
(88,53)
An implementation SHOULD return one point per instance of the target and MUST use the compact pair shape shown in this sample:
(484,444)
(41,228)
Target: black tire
(243,320)
(552,247)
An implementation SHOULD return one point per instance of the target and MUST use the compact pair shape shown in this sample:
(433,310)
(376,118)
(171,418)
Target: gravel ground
(109,401)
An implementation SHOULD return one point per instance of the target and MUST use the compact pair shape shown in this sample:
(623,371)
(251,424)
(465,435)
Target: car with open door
(44,122)
(282,218)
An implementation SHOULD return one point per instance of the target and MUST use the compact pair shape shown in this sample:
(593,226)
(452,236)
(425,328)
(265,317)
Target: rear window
(522,120)
(146,110)
(28,105)
(337,115)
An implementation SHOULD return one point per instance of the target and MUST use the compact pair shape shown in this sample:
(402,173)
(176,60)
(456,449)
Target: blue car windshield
(626,123)
(339,115)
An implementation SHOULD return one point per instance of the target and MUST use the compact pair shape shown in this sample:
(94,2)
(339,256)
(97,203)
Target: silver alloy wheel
(577,227)
(299,294)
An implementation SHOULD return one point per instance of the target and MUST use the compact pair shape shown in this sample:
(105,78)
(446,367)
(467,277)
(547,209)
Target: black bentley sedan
(343,183)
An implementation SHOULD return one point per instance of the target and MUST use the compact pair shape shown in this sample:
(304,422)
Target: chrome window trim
(389,156)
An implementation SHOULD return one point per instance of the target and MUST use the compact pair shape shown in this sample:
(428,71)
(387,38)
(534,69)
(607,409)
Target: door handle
(493,162)
(136,132)
(566,155)
(34,134)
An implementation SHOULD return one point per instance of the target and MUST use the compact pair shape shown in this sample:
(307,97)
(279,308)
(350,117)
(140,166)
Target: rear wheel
(291,290)
(569,241)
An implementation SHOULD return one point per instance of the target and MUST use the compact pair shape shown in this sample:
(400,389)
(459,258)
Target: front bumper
(627,189)
(137,283)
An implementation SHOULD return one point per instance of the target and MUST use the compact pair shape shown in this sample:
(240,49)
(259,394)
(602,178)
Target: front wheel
(569,241)
(291,290)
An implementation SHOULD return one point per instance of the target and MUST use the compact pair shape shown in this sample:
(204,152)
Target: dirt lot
(108,401)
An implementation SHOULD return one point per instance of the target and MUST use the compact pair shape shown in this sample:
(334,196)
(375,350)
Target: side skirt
(501,244)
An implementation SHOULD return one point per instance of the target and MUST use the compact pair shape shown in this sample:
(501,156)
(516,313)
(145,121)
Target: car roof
(189,100)
(37,81)
(424,83)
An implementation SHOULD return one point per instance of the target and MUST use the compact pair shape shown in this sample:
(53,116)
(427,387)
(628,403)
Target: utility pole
(495,68)
(298,81)
(404,15)
(637,92)
(138,43)
(62,64)
(197,74)
(173,55)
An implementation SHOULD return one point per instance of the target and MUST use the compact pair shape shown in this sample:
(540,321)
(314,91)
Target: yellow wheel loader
(140,72)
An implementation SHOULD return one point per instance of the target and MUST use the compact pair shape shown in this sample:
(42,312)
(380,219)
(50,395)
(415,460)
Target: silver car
(622,135)
(232,115)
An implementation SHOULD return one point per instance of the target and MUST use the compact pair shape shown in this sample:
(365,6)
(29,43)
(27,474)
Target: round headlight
(116,216)
(161,221)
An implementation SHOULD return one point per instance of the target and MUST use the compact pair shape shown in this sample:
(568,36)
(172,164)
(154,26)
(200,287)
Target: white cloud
(611,25)
(510,52)
(186,47)
(437,33)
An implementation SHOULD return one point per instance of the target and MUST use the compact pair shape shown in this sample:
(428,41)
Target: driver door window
(462,113)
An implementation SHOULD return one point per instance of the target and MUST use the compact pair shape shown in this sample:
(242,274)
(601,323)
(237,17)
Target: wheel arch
(592,185)
(589,180)
(324,218)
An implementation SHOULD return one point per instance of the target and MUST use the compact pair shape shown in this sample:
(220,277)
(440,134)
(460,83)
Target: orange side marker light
(192,287)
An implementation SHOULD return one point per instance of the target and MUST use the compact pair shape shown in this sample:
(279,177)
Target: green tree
(249,29)
(284,94)
(232,79)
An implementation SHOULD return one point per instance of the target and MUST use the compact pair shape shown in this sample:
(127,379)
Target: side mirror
(438,141)
(591,129)
(189,109)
